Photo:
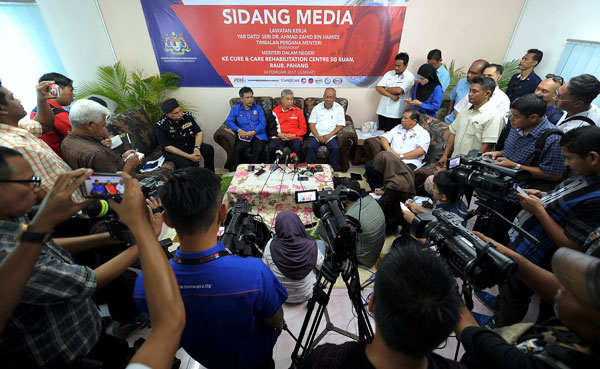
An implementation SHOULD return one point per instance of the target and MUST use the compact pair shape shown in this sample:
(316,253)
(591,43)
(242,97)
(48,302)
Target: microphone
(294,157)
(287,157)
(278,154)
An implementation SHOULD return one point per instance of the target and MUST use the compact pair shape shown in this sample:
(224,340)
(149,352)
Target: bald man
(462,87)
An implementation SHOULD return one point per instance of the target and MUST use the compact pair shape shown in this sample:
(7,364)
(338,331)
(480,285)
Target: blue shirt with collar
(517,87)
(252,119)
(443,76)
(519,148)
(226,302)
(458,92)
(432,104)
(553,115)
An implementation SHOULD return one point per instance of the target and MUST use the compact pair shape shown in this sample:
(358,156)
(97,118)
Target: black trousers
(386,123)
(276,144)
(257,147)
(207,152)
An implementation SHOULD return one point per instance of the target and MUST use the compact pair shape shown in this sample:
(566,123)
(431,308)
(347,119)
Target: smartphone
(306,196)
(103,186)
(303,178)
(259,172)
(251,168)
(53,90)
(319,168)
(518,188)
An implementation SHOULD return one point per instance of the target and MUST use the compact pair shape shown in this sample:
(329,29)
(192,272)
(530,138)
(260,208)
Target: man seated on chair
(408,141)
(181,138)
(291,126)
(233,305)
(415,305)
(248,120)
(327,119)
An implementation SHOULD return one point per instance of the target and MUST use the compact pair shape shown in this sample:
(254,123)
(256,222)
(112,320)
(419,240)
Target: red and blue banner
(270,44)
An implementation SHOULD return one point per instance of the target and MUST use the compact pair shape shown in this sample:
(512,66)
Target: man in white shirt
(408,141)
(394,87)
(575,97)
(326,120)
(477,127)
(499,99)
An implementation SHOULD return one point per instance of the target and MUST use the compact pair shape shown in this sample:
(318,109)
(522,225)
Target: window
(580,57)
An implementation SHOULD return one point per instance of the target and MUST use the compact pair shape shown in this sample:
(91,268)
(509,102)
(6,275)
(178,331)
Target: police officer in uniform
(181,138)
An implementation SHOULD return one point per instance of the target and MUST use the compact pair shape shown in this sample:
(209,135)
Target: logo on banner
(311,81)
(303,80)
(327,81)
(239,80)
(318,81)
(337,81)
(176,44)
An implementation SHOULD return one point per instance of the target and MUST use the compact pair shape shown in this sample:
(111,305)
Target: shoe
(488,300)
(484,321)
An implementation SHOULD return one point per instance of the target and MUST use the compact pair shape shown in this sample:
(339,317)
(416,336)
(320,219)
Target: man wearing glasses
(526,81)
(548,89)
(575,97)
(24,136)
(248,121)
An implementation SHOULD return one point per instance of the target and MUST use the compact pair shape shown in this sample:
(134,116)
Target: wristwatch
(197,147)
(29,236)
(517,167)
(401,156)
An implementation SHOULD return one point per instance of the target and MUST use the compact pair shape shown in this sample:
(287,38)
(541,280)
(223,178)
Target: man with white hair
(291,126)
(82,148)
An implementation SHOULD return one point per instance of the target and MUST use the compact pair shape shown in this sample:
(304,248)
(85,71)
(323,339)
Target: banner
(270,44)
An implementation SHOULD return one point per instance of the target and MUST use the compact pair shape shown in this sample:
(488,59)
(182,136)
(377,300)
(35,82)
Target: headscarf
(397,175)
(293,250)
(424,91)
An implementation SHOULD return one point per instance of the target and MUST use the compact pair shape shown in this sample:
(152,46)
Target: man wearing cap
(574,288)
(181,138)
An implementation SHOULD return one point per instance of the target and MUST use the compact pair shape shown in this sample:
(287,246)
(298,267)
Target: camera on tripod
(474,261)
(491,181)
(341,230)
(243,234)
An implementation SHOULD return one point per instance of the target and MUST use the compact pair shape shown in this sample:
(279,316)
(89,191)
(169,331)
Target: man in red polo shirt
(62,125)
(291,126)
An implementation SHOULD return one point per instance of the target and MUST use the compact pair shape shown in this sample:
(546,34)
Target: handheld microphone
(278,154)
(294,157)
(287,157)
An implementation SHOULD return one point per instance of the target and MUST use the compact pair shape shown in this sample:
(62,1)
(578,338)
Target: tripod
(326,278)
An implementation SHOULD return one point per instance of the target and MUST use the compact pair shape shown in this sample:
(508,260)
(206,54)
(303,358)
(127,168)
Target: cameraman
(415,306)
(563,217)
(575,289)
(233,305)
(56,322)
(529,124)
(372,223)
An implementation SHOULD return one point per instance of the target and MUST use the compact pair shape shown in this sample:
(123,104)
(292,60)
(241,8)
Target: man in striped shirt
(24,136)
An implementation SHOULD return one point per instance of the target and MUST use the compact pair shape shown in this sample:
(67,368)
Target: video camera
(474,261)
(243,234)
(151,185)
(491,181)
(341,229)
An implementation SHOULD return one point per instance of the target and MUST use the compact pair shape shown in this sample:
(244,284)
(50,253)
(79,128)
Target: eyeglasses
(556,78)
(37,181)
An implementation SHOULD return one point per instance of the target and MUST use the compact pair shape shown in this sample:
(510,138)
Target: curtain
(580,57)
(27,50)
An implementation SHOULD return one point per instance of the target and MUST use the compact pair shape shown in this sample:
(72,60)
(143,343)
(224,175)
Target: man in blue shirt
(528,124)
(232,304)
(527,81)
(548,89)
(434,57)
(462,87)
(248,120)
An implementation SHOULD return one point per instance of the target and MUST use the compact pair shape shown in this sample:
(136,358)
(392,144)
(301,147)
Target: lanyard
(203,260)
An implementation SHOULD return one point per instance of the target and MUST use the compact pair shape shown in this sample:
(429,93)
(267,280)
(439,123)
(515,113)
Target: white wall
(463,29)
(547,24)
(79,36)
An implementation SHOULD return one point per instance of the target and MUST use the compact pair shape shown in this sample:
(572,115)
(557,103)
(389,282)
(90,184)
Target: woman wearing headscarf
(292,255)
(391,178)
(428,93)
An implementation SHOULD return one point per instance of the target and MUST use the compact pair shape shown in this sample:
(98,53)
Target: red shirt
(61,124)
(291,121)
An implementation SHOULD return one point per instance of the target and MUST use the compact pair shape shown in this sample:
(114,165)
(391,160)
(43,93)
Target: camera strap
(203,260)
